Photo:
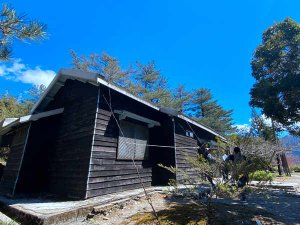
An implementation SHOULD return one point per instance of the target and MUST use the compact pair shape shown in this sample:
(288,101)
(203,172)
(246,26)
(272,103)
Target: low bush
(261,175)
(295,168)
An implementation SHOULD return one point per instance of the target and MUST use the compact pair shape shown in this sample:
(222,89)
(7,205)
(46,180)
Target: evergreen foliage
(104,64)
(14,26)
(259,128)
(275,67)
(207,110)
(151,85)
(181,98)
(147,82)
(11,107)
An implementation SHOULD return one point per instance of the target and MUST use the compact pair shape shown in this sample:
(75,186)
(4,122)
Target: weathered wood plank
(105,161)
(114,178)
(103,117)
(102,122)
(185,138)
(104,112)
(103,191)
(105,139)
(111,173)
(107,144)
(103,155)
(114,167)
(117,183)
(104,149)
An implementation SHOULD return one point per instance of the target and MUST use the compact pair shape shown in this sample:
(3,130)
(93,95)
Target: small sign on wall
(189,133)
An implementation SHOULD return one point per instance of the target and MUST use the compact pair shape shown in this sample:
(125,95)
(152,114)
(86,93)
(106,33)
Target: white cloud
(20,72)
(283,130)
(2,70)
(16,66)
(267,121)
(242,128)
(36,76)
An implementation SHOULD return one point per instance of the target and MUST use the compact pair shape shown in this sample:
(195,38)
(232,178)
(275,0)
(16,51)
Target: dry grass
(188,214)
(175,214)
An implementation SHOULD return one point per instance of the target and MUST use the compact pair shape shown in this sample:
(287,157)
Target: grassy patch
(177,214)
(188,214)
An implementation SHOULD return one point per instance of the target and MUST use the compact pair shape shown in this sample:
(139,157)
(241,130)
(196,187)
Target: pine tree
(181,98)
(147,82)
(151,85)
(10,106)
(13,26)
(207,110)
(259,127)
(104,64)
(36,92)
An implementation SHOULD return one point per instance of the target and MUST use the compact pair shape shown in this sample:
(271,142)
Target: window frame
(134,127)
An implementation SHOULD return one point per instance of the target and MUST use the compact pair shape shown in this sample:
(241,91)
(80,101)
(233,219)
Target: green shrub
(226,190)
(261,175)
(295,168)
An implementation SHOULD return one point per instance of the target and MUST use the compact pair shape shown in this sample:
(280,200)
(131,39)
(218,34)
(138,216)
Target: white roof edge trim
(45,93)
(33,117)
(201,126)
(5,122)
(107,84)
(38,116)
(64,74)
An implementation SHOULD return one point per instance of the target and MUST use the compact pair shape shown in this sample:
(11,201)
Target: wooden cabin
(81,136)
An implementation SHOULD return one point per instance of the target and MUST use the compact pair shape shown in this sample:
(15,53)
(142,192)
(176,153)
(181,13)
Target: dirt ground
(295,178)
(121,213)
(269,206)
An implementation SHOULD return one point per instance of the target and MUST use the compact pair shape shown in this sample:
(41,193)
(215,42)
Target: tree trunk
(285,165)
(279,165)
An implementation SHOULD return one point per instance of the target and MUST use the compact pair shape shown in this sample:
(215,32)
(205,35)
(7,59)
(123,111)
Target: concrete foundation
(47,211)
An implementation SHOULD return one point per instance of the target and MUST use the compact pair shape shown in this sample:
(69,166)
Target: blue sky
(198,43)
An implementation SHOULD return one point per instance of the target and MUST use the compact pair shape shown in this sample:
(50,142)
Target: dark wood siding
(182,153)
(107,174)
(14,162)
(164,136)
(201,136)
(70,156)
(34,177)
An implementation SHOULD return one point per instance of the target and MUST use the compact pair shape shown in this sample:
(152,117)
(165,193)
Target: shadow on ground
(268,207)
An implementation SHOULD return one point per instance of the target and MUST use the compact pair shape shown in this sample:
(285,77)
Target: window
(134,142)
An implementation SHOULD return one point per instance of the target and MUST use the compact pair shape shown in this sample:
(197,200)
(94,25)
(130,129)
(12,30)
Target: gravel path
(282,202)
(295,178)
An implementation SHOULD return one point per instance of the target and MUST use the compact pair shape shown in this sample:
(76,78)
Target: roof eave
(93,78)
(58,82)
